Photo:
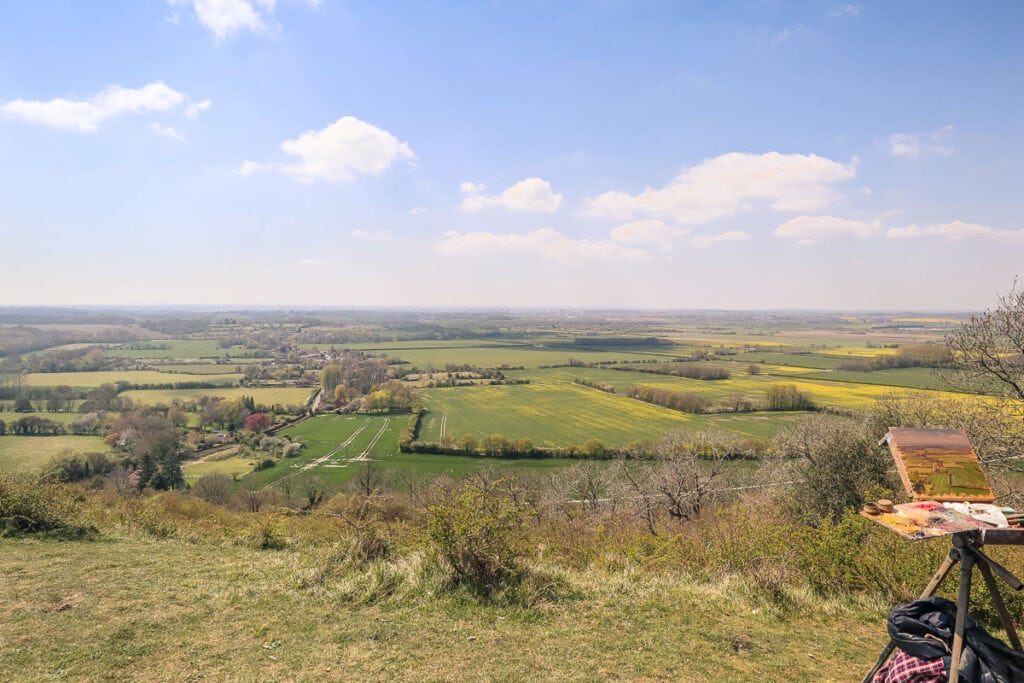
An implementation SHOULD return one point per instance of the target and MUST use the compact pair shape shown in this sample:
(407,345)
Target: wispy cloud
(87,115)
(811,229)
(848,9)
(915,145)
(531,194)
(708,241)
(955,230)
(226,18)
(168,132)
(786,34)
(649,231)
(378,236)
(545,243)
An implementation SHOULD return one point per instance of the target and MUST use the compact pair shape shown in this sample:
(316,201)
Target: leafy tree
(257,422)
(840,461)
(330,377)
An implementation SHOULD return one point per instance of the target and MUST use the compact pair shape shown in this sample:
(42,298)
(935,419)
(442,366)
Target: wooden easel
(967,551)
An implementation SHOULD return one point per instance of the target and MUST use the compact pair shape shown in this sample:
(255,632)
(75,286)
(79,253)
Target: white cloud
(225,18)
(726,185)
(707,241)
(197,108)
(811,229)
(167,132)
(845,10)
(915,145)
(648,231)
(378,236)
(417,211)
(471,187)
(787,33)
(87,115)
(250,167)
(342,149)
(955,230)
(531,194)
(545,243)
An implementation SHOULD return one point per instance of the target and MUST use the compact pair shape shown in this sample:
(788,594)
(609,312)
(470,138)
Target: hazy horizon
(814,156)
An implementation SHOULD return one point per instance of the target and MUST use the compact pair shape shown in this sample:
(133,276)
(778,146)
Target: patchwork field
(33,453)
(840,395)
(262,395)
(180,348)
(337,445)
(91,380)
(563,414)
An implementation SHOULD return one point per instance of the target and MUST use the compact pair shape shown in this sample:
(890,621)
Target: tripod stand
(967,551)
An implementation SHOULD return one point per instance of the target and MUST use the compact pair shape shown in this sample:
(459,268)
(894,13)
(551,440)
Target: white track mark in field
(321,460)
(444,423)
(366,452)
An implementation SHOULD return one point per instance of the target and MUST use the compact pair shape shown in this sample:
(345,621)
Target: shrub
(480,532)
(30,505)
(213,488)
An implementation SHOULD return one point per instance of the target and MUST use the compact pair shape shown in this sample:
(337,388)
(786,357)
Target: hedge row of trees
(690,370)
(915,356)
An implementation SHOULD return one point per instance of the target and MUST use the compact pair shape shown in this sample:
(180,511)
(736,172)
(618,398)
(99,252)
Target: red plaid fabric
(904,668)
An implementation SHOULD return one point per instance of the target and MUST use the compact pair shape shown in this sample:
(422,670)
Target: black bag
(924,629)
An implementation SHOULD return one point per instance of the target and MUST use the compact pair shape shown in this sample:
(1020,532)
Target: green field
(561,414)
(182,348)
(512,356)
(840,395)
(223,462)
(802,360)
(200,368)
(912,378)
(33,453)
(63,418)
(337,445)
(263,395)
(91,380)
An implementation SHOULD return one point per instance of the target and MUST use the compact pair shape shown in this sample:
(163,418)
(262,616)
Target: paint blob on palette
(926,519)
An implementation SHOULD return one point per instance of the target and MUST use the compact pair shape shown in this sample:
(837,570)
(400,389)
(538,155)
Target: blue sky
(597,154)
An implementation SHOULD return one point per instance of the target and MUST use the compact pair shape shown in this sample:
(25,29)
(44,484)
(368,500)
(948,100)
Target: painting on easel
(938,464)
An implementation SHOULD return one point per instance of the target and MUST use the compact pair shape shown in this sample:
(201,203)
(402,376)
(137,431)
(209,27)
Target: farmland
(520,377)
(562,414)
(90,380)
(263,395)
(337,446)
(33,453)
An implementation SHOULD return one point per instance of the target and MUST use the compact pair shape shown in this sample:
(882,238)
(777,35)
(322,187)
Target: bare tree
(253,494)
(688,470)
(314,488)
(988,350)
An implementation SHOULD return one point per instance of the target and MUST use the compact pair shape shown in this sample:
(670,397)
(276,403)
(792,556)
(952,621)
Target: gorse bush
(30,505)
(480,531)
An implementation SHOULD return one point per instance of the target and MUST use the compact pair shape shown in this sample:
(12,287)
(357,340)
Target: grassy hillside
(127,609)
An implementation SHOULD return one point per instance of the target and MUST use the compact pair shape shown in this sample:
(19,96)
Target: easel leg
(997,599)
(933,585)
(962,605)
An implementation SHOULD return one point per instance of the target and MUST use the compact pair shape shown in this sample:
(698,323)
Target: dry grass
(132,609)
